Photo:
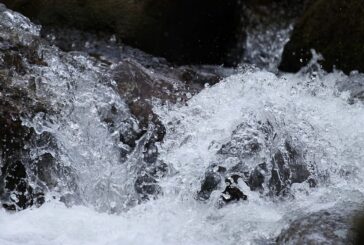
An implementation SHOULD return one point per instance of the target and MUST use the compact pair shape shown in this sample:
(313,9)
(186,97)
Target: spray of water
(314,108)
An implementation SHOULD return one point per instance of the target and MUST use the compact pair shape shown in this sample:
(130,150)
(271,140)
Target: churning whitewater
(317,112)
(309,107)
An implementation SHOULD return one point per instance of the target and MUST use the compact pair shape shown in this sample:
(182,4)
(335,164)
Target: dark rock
(16,193)
(210,183)
(359,230)
(45,170)
(333,28)
(332,226)
(139,87)
(232,191)
(108,51)
(27,169)
(183,31)
(288,167)
(257,177)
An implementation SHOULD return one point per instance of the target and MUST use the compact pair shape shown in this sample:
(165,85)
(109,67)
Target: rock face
(183,31)
(332,28)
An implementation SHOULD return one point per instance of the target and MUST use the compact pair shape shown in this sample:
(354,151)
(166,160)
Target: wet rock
(141,87)
(20,173)
(267,159)
(359,230)
(147,187)
(45,170)
(288,167)
(329,27)
(211,182)
(332,226)
(16,193)
(247,140)
(109,51)
(232,191)
(183,31)
(257,177)
(27,167)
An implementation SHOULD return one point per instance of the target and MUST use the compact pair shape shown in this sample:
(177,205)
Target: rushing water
(313,107)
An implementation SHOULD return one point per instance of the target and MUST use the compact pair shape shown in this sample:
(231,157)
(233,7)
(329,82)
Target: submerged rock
(288,167)
(183,31)
(335,29)
(265,157)
(211,182)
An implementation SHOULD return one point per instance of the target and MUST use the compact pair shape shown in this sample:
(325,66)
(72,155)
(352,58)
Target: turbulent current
(320,112)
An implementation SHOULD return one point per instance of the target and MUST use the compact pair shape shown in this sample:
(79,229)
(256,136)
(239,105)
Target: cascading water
(318,112)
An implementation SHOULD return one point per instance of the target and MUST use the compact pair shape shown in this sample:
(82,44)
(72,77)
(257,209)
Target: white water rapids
(312,109)
(310,106)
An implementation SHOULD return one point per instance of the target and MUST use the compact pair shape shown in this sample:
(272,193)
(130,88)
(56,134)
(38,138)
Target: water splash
(321,110)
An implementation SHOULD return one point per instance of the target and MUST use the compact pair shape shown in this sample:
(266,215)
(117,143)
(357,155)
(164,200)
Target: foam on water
(312,107)
(308,107)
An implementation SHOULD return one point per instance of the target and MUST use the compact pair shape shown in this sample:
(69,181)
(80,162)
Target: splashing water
(313,107)
(312,110)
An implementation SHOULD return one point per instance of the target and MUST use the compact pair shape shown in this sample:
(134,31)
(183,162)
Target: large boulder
(183,31)
(332,226)
(334,29)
